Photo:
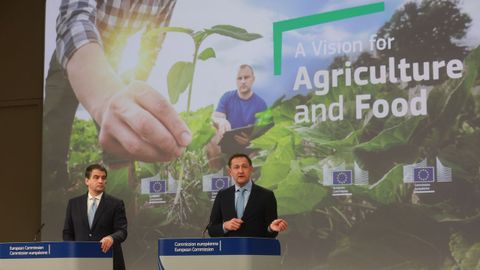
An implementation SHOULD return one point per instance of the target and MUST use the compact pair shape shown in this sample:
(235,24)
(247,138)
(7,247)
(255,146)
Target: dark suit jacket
(260,211)
(110,219)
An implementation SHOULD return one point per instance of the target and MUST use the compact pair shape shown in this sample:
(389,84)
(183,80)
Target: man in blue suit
(244,209)
(97,216)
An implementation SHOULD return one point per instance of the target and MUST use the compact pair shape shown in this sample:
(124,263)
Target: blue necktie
(240,205)
(91,211)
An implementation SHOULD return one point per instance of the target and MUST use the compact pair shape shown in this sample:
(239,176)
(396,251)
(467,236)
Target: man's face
(96,183)
(240,170)
(245,80)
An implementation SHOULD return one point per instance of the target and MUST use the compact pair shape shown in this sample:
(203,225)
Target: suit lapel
(251,201)
(83,206)
(100,210)
(230,199)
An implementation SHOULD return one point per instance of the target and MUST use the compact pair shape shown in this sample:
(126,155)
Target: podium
(54,256)
(233,253)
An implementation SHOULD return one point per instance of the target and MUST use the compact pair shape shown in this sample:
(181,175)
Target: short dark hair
(90,168)
(237,155)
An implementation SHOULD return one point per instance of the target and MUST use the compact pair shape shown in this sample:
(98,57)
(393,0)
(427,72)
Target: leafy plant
(181,74)
(383,224)
(84,148)
(292,157)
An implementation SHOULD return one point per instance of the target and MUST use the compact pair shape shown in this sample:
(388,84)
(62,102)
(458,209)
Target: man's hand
(233,224)
(107,243)
(242,138)
(136,121)
(223,126)
(140,124)
(278,225)
(221,123)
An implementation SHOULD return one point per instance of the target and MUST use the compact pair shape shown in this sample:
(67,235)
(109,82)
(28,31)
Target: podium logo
(219,183)
(158,186)
(424,174)
(342,177)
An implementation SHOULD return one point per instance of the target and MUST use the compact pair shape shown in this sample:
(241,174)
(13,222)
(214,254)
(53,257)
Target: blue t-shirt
(240,112)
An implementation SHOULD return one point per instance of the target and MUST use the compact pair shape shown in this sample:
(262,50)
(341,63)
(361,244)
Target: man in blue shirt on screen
(236,109)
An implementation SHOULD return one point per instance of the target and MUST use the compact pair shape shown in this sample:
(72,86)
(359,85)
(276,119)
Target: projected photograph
(363,118)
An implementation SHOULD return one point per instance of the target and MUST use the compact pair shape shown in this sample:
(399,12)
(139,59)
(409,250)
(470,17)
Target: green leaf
(198,37)
(207,54)
(390,188)
(269,139)
(392,137)
(178,79)
(144,169)
(233,32)
(118,183)
(296,195)
(402,236)
(176,29)
(282,119)
(316,142)
(264,118)
(84,147)
(277,165)
(200,126)
(465,254)
(457,96)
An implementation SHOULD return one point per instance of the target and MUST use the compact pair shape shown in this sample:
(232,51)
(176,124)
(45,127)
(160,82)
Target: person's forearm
(136,122)
(93,79)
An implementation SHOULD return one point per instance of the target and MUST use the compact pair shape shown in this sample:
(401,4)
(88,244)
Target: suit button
(90,235)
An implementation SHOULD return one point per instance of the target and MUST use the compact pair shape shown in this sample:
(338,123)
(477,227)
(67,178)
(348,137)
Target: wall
(22,28)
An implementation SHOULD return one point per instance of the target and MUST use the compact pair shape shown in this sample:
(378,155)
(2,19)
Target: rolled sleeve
(75,28)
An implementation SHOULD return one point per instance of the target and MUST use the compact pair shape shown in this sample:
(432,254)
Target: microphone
(206,228)
(37,234)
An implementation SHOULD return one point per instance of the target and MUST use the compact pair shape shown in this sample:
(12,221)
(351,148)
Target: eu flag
(158,186)
(424,174)
(342,177)
(219,183)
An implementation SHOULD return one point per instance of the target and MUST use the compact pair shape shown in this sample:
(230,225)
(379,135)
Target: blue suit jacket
(260,211)
(110,219)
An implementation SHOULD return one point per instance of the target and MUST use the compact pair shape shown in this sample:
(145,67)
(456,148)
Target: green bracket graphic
(301,22)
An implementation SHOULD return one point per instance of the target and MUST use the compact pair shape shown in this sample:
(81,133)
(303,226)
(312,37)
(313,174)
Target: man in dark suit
(96,216)
(244,209)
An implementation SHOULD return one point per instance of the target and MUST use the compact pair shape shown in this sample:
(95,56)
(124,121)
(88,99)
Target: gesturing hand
(233,224)
(278,225)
